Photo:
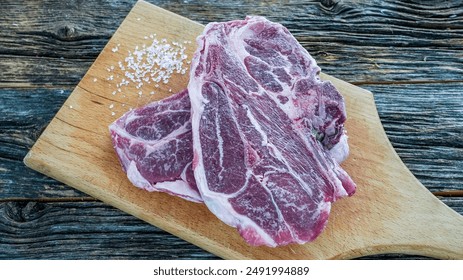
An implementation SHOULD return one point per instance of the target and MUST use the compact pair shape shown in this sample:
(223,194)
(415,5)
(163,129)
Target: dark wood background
(408,53)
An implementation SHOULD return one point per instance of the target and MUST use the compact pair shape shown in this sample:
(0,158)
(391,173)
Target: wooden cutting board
(391,211)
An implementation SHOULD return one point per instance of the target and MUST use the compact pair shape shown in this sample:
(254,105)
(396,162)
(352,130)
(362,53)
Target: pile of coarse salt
(152,64)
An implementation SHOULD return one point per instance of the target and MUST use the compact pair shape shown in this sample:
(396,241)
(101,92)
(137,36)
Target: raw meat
(263,123)
(154,146)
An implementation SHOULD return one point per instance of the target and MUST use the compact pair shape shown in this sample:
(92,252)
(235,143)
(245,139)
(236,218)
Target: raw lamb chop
(258,107)
(154,146)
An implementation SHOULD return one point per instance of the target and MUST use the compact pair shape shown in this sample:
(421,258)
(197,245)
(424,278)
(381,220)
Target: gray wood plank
(84,230)
(93,230)
(424,123)
(54,42)
(23,116)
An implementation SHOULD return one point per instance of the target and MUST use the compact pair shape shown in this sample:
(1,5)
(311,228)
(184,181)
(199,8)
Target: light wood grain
(391,212)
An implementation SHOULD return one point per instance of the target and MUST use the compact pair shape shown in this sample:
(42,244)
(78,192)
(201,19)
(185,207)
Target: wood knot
(21,211)
(329,4)
(67,32)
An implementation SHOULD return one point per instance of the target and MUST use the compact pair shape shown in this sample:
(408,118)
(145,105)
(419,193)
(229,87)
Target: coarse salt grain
(155,62)
(94,80)
(111,106)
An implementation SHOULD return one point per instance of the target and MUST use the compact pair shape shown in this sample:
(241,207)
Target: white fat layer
(221,207)
(257,126)
(178,187)
(340,151)
(197,107)
(136,178)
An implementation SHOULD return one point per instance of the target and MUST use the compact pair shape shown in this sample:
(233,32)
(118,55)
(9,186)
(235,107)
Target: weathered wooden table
(410,55)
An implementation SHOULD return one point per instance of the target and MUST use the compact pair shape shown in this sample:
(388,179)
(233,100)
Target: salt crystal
(114,93)
(70,106)
(112,113)
(94,79)
(155,62)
